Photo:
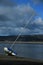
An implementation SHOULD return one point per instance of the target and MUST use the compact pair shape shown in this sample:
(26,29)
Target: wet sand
(11,60)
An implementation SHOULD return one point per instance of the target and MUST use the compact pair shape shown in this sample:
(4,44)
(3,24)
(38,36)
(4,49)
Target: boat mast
(22,31)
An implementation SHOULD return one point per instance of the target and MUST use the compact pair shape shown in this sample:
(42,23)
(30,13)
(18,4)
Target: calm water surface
(34,51)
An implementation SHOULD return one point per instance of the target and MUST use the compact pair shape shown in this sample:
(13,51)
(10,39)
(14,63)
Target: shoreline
(23,42)
(14,60)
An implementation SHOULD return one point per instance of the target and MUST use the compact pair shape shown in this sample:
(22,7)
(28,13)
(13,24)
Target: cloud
(36,26)
(3,18)
(38,1)
(7,3)
(39,21)
(13,31)
(13,19)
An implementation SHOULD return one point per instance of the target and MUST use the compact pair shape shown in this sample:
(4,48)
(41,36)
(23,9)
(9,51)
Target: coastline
(18,60)
(23,42)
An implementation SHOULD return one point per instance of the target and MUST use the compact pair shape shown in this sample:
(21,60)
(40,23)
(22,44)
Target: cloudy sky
(21,16)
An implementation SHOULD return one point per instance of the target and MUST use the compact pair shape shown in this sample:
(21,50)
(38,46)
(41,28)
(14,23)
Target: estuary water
(34,51)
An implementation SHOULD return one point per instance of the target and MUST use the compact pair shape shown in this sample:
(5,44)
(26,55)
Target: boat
(9,51)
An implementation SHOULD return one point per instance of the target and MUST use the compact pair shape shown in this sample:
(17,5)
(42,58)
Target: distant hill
(22,38)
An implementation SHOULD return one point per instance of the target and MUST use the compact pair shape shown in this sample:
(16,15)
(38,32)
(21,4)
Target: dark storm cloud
(7,2)
(38,1)
(3,18)
(13,19)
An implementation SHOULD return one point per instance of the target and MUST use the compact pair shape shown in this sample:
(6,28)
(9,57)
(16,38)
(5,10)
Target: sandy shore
(18,60)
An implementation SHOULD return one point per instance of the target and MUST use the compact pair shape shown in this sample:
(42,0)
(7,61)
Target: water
(34,51)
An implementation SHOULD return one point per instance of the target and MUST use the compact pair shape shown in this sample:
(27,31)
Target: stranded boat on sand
(9,51)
